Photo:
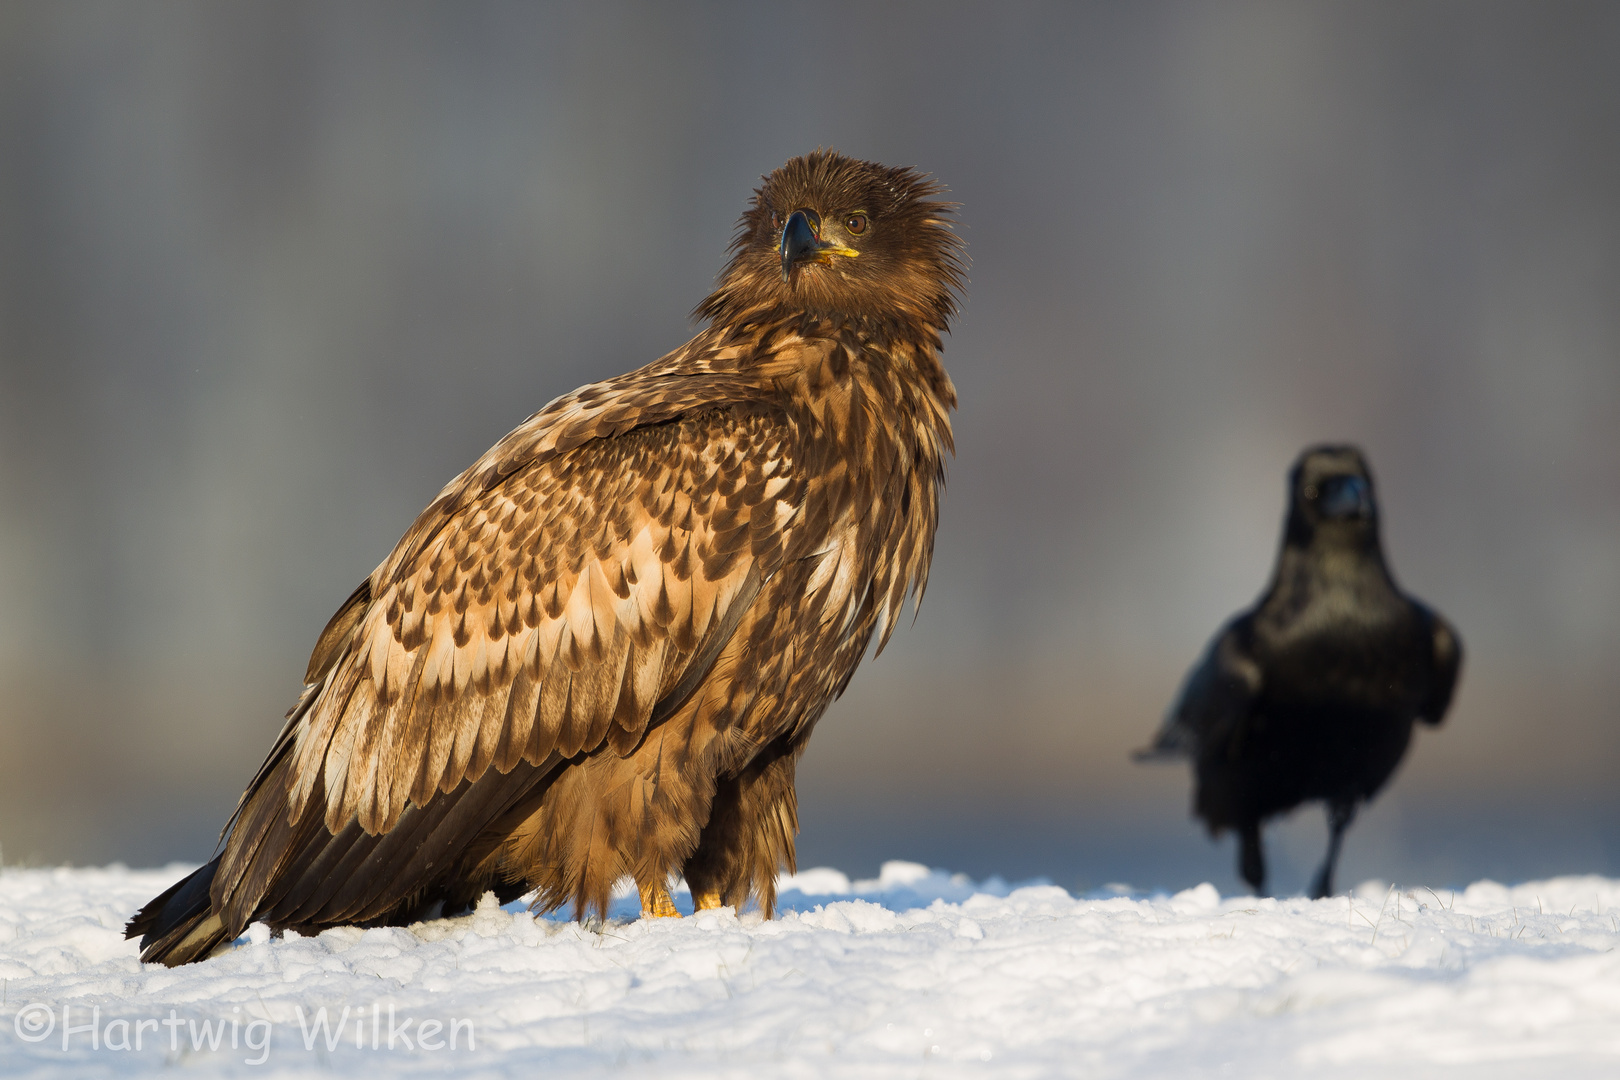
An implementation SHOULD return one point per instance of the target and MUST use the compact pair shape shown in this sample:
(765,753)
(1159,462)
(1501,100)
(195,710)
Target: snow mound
(916,972)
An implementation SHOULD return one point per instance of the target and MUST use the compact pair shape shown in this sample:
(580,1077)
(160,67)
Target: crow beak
(1346,497)
(802,242)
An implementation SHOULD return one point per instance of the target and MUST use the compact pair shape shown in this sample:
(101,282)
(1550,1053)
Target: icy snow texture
(914,974)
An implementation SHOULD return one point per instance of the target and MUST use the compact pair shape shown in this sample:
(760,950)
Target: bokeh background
(271,273)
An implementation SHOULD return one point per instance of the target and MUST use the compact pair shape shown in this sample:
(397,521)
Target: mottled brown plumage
(601,649)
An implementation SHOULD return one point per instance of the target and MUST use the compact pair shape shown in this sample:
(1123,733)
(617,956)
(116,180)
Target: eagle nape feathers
(600,651)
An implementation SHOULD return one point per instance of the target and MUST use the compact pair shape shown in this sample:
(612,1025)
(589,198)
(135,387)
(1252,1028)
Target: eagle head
(829,236)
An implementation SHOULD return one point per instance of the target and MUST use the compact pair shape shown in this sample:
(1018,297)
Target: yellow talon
(656,904)
(703,901)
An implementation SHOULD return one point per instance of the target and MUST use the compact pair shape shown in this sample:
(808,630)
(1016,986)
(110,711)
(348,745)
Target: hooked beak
(802,242)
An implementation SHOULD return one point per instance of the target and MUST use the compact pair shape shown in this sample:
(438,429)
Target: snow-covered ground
(916,973)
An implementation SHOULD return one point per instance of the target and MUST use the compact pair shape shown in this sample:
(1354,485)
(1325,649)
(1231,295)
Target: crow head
(1331,499)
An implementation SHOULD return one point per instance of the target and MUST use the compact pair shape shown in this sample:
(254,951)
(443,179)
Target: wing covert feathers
(566,600)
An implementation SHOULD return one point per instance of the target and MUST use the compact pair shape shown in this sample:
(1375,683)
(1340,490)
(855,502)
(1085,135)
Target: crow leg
(1340,815)
(1251,860)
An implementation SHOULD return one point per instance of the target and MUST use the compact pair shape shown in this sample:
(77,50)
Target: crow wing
(1216,698)
(1447,664)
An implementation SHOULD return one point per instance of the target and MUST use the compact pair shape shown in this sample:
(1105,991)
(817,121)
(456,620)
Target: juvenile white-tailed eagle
(602,648)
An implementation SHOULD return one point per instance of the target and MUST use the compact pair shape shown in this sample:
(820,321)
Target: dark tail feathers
(179,925)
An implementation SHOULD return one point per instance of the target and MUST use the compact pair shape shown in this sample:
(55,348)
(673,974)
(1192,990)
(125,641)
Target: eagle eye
(855,224)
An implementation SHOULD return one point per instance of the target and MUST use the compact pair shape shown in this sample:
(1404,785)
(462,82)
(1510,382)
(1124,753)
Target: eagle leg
(656,904)
(707,900)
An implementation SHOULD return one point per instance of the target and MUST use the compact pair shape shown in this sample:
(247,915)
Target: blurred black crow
(1311,693)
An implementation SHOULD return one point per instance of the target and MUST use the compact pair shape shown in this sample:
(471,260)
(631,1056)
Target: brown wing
(536,611)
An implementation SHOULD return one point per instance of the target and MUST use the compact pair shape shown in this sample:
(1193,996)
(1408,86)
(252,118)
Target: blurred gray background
(271,273)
